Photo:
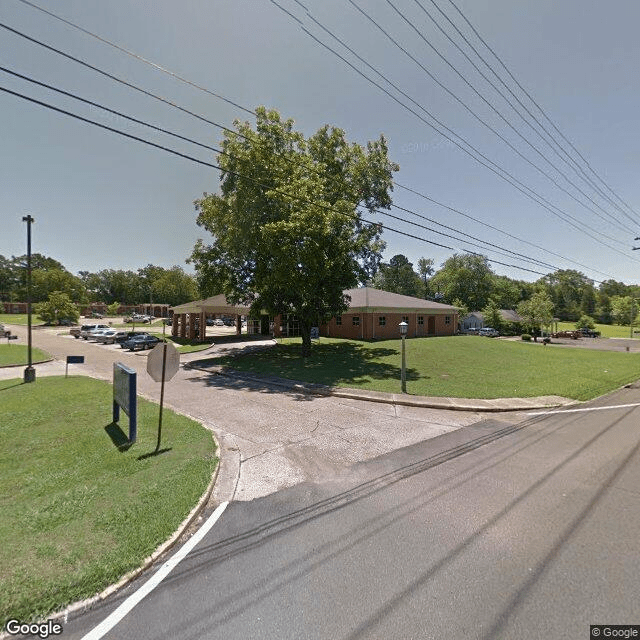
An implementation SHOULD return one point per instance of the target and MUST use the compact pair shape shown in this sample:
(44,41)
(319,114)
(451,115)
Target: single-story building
(475,320)
(372,314)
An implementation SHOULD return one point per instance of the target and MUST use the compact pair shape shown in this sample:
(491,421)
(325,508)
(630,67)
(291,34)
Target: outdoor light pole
(403,375)
(29,372)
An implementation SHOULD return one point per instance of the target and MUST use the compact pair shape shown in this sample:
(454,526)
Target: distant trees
(468,278)
(149,284)
(398,276)
(624,310)
(537,312)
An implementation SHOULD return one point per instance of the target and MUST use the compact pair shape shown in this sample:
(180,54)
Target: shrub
(526,337)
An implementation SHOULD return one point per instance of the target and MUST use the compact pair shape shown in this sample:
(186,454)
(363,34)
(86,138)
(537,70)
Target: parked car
(168,321)
(85,329)
(111,336)
(210,322)
(141,342)
(218,322)
(128,335)
(489,332)
(97,315)
(96,333)
(228,322)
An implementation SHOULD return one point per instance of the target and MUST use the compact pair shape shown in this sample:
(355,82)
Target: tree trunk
(305,332)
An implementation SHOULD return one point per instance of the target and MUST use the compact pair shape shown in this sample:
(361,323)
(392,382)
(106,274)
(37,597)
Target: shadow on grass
(154,453)
(330,365)
(11,386)
(118,437)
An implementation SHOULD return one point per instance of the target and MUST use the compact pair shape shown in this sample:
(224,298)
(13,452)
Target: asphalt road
(491,531)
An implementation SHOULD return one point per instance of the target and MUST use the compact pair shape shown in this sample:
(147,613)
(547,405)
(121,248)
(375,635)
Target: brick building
(372,314)
(375,314)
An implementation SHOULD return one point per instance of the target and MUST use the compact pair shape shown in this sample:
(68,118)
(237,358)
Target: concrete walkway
(276,433)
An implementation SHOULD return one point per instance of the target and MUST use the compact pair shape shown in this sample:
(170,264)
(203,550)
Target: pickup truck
(83,331)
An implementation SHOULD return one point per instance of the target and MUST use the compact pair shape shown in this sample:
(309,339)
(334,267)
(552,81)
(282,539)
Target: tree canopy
(287,235)
(398,276)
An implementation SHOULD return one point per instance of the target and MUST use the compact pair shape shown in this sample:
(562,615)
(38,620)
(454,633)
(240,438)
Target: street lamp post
(29,372)
(403,375)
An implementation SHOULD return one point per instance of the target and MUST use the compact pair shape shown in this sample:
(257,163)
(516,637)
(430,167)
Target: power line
(566,157)
(563,215)
(240,135)
(504,66)
(242,176)
(491,106)
(137,57)
(500,250)
(180,78)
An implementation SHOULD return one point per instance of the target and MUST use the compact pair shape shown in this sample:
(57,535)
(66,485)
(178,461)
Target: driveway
(269,438)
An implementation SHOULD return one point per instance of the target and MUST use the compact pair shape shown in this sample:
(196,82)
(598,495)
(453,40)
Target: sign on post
(124,396)
(163,363)
(73,360)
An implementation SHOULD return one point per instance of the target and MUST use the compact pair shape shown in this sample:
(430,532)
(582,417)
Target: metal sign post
(163,363)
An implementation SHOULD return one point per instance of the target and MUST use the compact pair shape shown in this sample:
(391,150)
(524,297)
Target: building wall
(369,326)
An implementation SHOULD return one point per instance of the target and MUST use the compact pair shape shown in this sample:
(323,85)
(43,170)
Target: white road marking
(112,620)
(616,406)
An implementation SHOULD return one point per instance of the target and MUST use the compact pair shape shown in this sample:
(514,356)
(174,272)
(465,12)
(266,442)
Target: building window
(382,321)
(405,319)
(420,320)
(356,321)
(339,321)
(447,319)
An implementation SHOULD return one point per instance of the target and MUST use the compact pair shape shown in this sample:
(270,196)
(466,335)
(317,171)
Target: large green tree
(567,289)
(287,233)
(56,308)
(425,270)
(398,276)
(537,312)
(465,277)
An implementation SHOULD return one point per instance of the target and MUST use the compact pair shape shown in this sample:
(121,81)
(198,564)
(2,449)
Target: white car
(96,333)
(218,322)
(489,332)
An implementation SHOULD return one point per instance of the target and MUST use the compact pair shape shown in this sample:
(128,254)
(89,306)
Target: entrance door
(431,325)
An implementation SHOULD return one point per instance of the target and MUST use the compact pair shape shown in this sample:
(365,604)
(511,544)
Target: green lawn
(19,318)
(76,511)
(458,366)
(606,330)
(13,354)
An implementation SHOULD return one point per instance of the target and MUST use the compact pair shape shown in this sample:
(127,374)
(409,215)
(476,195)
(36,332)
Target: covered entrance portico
(189,317)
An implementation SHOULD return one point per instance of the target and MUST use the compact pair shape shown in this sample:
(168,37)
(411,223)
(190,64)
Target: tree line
(150,284)
(468,282)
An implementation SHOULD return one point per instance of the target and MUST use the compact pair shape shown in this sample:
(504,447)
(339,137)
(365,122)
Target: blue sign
(124,396)
(75,359)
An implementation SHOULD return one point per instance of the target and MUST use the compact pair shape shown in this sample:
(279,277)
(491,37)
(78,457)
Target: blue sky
(101,201)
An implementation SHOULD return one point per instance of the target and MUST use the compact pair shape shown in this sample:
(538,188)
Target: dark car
(140,342)
(128,335)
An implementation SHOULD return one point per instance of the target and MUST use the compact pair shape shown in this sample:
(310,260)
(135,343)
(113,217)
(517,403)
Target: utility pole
(29,372)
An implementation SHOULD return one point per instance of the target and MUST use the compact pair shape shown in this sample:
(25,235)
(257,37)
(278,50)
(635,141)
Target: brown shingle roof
(366,299)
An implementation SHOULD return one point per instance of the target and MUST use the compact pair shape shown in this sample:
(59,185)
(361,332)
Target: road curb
(495,405)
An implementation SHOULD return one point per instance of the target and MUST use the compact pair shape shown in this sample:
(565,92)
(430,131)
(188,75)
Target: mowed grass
(606,330)
(16,354)
(77,512)
(19,318)
(456,367)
